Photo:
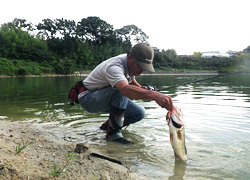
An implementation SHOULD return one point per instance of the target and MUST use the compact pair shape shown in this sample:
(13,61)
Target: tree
(18,24)
(132,33)
(94,29)
(19,44)
(158,59)
(247,50)
(197,54)
(170,54)
(47,28)
(21,23)
(66,28)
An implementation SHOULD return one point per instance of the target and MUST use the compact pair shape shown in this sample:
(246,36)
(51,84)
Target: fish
(177,133)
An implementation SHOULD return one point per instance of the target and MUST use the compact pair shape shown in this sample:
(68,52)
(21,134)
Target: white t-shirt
(107,73)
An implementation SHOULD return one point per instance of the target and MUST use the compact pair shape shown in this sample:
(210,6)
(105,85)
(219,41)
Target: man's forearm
(136,92)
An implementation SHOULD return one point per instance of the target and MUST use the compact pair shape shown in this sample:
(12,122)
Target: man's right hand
(164,101)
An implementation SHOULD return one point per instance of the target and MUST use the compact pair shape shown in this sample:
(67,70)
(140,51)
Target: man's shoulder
(117,61)
(118,58)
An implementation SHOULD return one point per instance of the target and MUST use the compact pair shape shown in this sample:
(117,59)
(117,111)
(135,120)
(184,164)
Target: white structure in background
(210,54)
(232,53)
(155,49)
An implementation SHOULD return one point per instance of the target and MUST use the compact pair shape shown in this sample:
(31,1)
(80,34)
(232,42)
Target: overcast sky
(184,25)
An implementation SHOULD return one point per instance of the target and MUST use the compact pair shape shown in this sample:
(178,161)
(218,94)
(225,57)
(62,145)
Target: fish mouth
(175,124)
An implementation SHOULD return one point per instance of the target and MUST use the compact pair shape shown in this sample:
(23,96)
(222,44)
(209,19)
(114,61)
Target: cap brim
(146,67)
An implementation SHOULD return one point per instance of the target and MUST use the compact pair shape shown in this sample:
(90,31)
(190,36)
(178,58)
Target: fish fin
(171,137)
(167,117)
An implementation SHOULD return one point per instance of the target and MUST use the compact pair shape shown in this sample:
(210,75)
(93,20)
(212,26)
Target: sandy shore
(36,160)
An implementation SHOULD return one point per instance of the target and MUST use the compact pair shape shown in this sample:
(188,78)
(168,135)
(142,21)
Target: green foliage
(6,67)
(131,33)
(47,28)
(197,54)
(164,58)
(58,170)
(63,46)
(244,60)
(168,60)
(23,146)
(94,29)
(18,44)
(65,67)
(247,50)
(197,63)
(23,67)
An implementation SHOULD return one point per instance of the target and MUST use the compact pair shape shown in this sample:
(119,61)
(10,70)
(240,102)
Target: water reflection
(178,170)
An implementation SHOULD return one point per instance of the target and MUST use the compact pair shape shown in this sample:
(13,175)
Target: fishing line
(199,80)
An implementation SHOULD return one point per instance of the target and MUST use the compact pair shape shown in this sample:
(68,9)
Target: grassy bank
(23,67)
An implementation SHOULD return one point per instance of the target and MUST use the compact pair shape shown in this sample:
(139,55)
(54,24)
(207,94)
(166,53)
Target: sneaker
(120,140)
(104,126)
(114,135)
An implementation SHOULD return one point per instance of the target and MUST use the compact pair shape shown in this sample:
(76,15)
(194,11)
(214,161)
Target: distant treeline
(63,46)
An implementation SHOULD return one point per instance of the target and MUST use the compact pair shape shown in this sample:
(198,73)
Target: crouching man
(111,85)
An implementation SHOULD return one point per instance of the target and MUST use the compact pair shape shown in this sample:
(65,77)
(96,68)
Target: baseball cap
(144,56)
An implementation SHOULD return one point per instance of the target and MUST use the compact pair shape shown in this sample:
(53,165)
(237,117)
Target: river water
(216,115)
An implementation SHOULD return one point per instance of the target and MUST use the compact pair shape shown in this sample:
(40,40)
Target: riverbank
(36,160)
(86,73)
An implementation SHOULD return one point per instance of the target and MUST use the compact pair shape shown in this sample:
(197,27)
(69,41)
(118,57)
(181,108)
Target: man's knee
(136,116)
(141,113)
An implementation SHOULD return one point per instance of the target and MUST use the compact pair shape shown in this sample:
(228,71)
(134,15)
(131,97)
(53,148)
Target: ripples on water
(216,113)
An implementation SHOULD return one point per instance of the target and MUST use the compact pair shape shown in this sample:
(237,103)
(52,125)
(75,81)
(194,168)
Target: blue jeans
(101,100)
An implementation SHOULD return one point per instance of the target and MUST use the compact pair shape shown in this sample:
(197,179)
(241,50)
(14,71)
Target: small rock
(80,148)
(105,176)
